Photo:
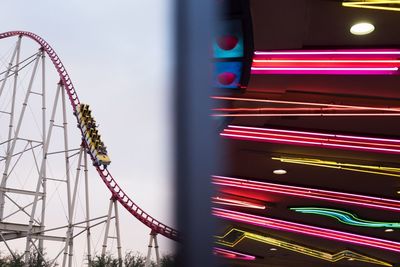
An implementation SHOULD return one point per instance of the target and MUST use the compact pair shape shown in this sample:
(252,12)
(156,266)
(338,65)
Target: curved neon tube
(311,193)
(240,235)
(270,223)
(346,217)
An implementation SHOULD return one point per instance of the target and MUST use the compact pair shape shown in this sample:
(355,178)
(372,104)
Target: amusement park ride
(24,205)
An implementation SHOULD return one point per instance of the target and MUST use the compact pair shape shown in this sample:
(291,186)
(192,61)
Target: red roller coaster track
(116,191)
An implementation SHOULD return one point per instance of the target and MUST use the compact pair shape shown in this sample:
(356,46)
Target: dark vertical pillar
(195,138)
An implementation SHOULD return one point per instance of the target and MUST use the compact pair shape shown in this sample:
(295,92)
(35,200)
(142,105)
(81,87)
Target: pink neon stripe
(321,140)
(325,69)
(331,52)
(266,130)
(307,230)
(278,130)
(237,203)
(307,115)
(324,140)
(323,61)
(321,143)
(233,254)
(348,198)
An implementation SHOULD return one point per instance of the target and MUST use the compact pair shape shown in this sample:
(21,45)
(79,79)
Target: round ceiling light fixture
(389,230)
(280,171)
(362,28)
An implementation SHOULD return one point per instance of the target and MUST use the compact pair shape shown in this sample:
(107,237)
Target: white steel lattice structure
(43,156)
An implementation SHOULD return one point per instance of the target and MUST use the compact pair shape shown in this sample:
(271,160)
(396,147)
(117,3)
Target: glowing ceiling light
(311,193)
(237,202)
(234,236)
(270,223)
(362,28)
(229,254)
(347,142)
(279,171)
(387,5)
(345,217)
(389,230)
(380,170)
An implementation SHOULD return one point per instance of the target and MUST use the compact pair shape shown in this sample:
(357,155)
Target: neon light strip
(368,53)
(311,193)
(357,62)
(327,69)
(237,203)
(323,61)
(380,170)
(346,217)
(229,254)
(307,115)
(382,145)
(335,71)
(270,223)
(281,109)
(303,103)
(345,254)
(372,5)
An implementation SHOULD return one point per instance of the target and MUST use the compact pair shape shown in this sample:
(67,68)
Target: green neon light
(346,217)
(239,235)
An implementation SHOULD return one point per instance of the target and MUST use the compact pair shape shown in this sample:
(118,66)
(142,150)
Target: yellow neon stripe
(380,170)
(372,5)
(345,254)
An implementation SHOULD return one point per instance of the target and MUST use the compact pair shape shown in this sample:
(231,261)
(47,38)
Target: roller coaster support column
(69,243)
(39,182)
(113,203)
(89,249)
(153,237)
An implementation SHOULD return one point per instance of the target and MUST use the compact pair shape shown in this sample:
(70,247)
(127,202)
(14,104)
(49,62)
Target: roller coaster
(34,230)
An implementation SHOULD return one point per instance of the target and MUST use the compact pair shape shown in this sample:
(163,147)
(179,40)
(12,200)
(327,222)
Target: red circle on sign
(227,42)
(226,78)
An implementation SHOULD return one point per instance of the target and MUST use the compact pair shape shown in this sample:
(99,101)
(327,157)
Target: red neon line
(307,229)
(324,69)
(365,52)
(237,203)
(334,65)
(233,254)
(354,199)
(314,134)
(280,109)
(324,61)
(302,103)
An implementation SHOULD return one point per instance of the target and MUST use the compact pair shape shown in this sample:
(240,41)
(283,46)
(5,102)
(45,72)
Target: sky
(119,57)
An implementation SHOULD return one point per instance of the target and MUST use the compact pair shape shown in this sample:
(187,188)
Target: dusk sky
(119,56)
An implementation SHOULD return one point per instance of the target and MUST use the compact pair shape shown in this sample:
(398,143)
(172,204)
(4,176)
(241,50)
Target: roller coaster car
(91,135)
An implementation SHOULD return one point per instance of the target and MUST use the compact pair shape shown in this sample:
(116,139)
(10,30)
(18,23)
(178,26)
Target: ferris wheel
(48,142)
